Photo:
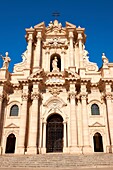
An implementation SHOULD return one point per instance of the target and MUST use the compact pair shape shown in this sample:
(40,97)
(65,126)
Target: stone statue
(104,59)
(6,61)
(54,64)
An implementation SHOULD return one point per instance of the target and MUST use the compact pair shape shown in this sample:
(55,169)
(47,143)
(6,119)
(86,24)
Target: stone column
(47,63)
(80,125)
(65,135)
(109,114)
(71,52)
(22,130)
(1,100)
(37,57)
(62,59)
(80,44)
(86,138)
(29,53)
(73,120)
(43,150)
(33,122)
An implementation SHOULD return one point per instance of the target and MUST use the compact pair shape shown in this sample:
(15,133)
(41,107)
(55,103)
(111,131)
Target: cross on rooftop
(55,14)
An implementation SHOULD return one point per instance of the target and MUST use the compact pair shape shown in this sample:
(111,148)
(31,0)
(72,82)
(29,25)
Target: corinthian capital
(24,96)
(1,97)
(108,96)
(83,95)
(72,95)
(35,96)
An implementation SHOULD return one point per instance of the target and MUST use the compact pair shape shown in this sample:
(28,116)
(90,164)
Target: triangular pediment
(12,125)
(96,124)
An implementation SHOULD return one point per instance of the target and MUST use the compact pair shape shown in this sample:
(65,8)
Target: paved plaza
(102,168)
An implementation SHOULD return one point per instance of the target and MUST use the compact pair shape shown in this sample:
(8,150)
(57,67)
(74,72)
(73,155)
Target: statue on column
(6,61)
(54,64)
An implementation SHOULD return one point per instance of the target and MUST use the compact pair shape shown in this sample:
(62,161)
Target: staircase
(64,161)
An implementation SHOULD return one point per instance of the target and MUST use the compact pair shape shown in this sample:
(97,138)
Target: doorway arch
(98,142)
(54,133)
(10,143)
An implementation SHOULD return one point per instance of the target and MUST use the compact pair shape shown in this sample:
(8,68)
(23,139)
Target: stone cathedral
(56,100)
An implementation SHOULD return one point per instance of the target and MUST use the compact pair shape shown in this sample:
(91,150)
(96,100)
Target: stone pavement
(99,168)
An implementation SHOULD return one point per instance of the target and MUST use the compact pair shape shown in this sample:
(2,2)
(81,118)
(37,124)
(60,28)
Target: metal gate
(54,134)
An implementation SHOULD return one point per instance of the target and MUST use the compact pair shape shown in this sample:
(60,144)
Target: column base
(32,150)
(1,150)
(20,150)
(42,150)
(65,150)
(74,149)
(86,149)
(109,149)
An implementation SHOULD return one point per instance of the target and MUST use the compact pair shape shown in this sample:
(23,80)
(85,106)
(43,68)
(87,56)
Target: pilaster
(71,52)
(86,141)
(109,108)
(37,57)
(73,120)
(80,44)
(33,121)
(22,131)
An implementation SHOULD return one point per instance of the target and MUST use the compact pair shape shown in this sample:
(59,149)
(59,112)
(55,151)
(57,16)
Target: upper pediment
(55,28)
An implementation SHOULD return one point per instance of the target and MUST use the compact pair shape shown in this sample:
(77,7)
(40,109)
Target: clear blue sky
(96,16)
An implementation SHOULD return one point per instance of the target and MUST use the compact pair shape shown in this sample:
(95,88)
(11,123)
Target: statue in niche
(54,64)
(6,61)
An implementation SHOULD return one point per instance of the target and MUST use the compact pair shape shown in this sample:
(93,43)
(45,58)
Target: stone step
(56,160)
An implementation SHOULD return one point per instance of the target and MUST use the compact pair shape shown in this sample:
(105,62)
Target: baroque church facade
(56,100)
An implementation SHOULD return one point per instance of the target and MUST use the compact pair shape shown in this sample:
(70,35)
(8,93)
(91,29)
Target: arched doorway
(10,144)
(54,134)
(98,143)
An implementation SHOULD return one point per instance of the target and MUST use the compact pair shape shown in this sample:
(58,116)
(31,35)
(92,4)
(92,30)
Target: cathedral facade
(56,100)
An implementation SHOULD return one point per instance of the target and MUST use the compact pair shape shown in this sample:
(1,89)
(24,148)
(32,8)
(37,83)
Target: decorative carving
(72,95)
(1,97)
(24,96)
(55,90)
(108,95)
(84,95)
(55,43)
(35,96)
(6,60)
